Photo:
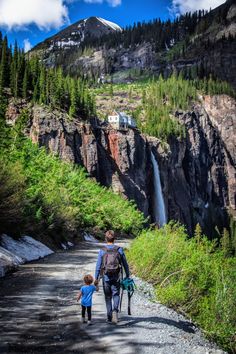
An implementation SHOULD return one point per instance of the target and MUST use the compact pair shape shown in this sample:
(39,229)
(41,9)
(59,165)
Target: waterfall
(159,205)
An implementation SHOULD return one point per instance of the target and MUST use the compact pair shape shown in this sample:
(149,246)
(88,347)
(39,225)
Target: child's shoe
(83,320)
(89,323)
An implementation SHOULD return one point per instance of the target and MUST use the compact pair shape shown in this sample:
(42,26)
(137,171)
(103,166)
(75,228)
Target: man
(110,261)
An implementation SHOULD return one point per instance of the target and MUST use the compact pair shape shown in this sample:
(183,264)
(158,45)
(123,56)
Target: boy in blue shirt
(110,261)
(86,294)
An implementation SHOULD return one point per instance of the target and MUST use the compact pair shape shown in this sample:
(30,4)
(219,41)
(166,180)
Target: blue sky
(31,21)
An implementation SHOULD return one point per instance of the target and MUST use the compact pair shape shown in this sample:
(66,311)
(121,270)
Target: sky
(31,21)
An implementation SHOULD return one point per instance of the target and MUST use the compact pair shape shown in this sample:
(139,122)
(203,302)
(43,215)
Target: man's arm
(124,262)
(98,267)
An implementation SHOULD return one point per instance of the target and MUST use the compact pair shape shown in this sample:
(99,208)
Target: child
(86,294)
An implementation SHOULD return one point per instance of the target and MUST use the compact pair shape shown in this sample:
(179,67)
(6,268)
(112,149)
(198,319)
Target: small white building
(120,120)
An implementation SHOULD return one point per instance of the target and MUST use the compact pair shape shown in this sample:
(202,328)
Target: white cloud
(27,45)
(46,14)
(183,6)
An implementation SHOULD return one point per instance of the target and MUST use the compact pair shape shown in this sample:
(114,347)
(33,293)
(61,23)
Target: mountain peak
(75,34)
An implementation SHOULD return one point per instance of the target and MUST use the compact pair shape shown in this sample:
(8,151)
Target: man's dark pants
(111,290)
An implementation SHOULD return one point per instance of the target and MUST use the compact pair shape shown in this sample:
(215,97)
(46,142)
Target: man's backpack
(111,261)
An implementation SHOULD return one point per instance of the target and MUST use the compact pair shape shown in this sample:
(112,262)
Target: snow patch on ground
(26,247)
(67,245)
(89,238)
(15,252)
(8,260)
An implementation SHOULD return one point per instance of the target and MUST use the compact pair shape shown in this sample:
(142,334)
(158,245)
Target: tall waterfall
(159,205)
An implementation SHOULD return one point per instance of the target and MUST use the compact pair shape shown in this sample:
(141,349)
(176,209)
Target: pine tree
(73,98)
(42,85)
(26,83)
(4,65)
(198,233)
(13,76)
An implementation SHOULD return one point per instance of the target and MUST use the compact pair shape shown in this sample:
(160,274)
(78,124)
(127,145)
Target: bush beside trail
(193,276)
(57,197)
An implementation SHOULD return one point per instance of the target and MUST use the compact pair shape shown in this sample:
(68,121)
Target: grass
(55,196)
(191,275)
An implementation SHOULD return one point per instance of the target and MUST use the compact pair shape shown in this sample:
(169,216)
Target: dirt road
(39,314)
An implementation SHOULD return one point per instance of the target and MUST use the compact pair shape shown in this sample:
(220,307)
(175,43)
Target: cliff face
(200,171)
(197,173)
(118,159)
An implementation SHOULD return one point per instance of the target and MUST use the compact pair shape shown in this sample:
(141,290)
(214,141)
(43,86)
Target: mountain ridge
(197,45)
(75,34)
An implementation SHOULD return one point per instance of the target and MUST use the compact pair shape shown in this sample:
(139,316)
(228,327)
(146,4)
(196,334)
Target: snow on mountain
(113,25)
(74,35)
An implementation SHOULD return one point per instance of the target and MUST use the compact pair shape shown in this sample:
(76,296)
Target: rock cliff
(197,173)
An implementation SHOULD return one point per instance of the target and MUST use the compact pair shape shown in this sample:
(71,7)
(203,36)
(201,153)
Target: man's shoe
(89,323)
(114,317)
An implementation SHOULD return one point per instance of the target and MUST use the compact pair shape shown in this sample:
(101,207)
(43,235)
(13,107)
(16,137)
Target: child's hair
(88,279)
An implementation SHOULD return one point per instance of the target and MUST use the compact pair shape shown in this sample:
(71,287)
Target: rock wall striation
(197,173)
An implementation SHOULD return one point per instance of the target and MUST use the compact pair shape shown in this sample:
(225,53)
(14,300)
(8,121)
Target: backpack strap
(106,249)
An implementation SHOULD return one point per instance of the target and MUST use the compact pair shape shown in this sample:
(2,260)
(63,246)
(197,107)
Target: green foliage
(54,196)
(191,275)
(29,79)
(226,243)
(156,101)
(12,202)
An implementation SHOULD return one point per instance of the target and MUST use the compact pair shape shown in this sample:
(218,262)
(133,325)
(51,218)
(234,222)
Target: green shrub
(60,195)
(191,275)
(12,201)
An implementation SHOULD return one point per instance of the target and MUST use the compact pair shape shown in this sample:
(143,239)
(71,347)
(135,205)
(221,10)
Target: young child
(86,294)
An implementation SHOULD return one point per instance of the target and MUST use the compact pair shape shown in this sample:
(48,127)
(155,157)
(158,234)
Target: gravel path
(39,314)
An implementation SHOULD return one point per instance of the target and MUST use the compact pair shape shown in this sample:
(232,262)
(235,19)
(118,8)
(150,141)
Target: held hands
(96,282)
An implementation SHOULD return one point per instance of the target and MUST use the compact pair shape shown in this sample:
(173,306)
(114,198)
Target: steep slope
(197,173)
(74,35)
(196,45)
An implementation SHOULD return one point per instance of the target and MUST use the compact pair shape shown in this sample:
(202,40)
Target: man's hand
(96,282)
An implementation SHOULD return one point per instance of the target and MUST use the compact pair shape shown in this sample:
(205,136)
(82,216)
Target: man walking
(111,259)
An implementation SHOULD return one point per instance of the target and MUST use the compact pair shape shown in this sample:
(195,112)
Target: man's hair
(88,279)
(110,236)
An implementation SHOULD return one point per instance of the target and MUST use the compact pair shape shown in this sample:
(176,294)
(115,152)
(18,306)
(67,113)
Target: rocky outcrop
(114,158)
(197,173)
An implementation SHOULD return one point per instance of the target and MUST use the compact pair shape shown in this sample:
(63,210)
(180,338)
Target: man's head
(110,236)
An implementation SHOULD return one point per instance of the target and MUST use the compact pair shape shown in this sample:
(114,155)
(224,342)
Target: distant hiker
(110,261)
(86,294)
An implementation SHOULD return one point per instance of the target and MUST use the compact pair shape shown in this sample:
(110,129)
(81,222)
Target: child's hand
(97,288)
